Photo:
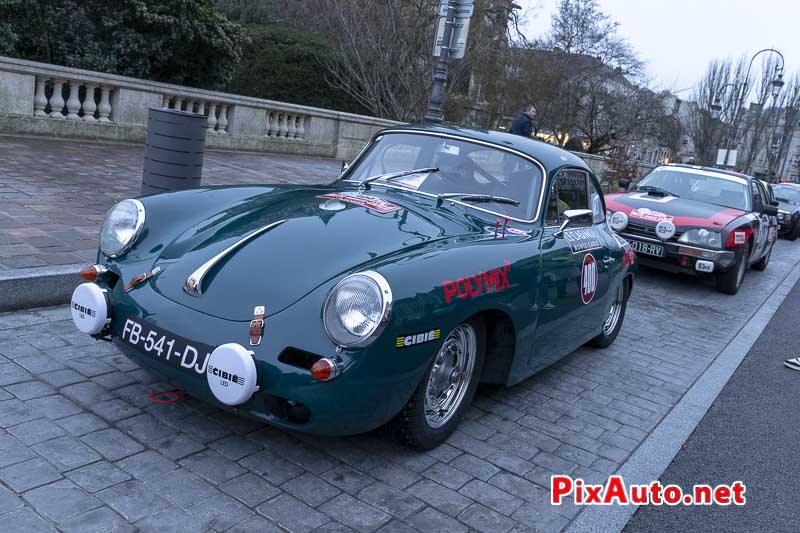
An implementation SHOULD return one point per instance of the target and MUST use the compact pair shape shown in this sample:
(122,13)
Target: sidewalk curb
(649,461)
(38,287)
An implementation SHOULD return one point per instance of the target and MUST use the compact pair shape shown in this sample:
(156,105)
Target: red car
(698,220)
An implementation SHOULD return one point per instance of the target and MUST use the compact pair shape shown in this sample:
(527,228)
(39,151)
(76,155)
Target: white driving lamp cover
(619,221)
(665,230)
(231,374)
(89,308)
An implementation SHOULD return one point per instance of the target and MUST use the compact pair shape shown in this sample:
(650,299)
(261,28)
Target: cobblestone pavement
(54,193)
(82,448)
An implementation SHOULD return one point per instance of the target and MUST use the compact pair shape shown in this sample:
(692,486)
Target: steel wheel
(615,311)
(450,376)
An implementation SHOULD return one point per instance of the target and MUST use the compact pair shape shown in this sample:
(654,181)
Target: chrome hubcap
(450,376)
(615,312)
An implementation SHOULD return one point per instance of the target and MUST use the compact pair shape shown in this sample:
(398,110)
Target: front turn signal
(325,369)
(92,272)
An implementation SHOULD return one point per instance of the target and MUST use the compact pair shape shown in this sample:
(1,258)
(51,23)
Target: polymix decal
(588,278)
(475,284)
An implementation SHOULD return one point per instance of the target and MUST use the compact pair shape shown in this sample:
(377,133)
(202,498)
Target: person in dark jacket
(523,124)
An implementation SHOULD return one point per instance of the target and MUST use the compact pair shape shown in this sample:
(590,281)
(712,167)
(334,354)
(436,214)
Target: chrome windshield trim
(538,210)
(194,284)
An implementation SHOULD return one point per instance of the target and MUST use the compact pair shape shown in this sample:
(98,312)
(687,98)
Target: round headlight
(618,221)
(121,228)
(357,309)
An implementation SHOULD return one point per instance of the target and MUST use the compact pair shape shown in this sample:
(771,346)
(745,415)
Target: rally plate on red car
(646,248)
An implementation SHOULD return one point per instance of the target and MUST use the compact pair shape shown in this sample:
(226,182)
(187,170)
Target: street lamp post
(450,42)
(435,111)
(777,83)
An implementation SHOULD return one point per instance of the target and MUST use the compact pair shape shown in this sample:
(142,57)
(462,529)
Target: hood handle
(194,284)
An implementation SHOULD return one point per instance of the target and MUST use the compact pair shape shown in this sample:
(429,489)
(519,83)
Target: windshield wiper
(387,177)
(476,198)
(656,190)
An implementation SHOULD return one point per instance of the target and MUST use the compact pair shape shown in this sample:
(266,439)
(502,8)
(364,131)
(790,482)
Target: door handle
(609,261)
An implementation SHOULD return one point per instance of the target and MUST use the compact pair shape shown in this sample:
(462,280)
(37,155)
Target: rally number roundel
(588,278)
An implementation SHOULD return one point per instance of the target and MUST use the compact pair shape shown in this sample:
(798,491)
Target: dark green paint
(291,268)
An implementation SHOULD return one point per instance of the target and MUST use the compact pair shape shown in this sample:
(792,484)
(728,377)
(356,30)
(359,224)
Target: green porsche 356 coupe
(441,258)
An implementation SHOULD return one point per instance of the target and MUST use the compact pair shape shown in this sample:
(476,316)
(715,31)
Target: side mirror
(345,166)
(775,203)
(770,210)
(574,217)
(624,184)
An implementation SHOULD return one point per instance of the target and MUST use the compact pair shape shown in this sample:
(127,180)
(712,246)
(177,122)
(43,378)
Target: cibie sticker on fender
(650,215)
(588,278)
(582,239)
(404,341)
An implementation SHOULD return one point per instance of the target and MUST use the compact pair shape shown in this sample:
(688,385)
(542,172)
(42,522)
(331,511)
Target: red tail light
(325,369)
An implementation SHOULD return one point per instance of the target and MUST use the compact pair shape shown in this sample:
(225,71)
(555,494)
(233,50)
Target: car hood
(325,232)
(789,207)
(643,208)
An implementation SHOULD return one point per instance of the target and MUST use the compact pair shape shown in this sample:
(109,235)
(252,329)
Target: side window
(598,213)
(758,203)
(570,190)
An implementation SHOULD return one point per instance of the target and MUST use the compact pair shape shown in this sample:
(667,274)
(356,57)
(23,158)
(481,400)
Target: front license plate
(647,248)
(166,347)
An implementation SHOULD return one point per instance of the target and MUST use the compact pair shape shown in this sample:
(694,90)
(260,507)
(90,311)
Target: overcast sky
(677,38)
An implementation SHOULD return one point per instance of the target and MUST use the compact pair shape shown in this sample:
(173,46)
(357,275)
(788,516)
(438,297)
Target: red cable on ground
(166,396)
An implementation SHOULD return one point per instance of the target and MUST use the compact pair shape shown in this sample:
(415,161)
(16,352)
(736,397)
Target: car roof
(710,169)
(550,156)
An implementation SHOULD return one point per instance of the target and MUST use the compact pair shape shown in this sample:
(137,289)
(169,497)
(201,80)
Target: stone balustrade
(43,99)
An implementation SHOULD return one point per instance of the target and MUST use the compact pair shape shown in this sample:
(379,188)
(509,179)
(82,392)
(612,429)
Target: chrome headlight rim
(137,231)
(385,291)
(687,238)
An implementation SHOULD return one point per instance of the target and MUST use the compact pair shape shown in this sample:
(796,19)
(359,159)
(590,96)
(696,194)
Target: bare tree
(582,77)
(759,121)
(706,131)
(781,137)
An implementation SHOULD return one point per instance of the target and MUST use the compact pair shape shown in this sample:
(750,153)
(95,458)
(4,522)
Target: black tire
(607,336)
(762,263)
(729,281)
(411,427)
(795,233)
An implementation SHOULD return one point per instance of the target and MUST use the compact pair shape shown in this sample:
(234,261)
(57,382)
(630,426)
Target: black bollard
(173,152)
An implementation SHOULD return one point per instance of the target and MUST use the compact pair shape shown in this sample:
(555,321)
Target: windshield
(461,167)
(702,186)
(787,194)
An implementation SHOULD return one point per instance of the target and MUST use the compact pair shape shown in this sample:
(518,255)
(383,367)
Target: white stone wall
(42,99)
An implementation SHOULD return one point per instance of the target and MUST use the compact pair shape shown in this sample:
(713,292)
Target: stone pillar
(73,103)
(39,99)
(89,105)
(104,109)
(57,100)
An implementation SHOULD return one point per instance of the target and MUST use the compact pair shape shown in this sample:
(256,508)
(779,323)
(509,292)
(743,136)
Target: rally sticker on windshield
(582,240)
(364,200)
(650,215)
